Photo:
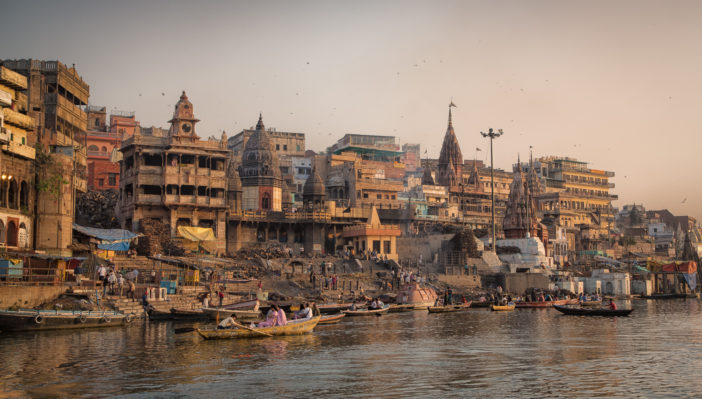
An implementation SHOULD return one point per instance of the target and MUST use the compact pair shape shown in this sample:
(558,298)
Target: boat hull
(366,312)
(332,308)
(593,312)
(51,320)
(450,308)
(332,319)
(502,308)
(541,304)
(291,328)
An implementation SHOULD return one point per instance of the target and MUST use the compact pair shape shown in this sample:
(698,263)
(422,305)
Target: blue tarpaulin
(112,239)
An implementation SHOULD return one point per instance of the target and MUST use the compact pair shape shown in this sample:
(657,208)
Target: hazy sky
(617,84)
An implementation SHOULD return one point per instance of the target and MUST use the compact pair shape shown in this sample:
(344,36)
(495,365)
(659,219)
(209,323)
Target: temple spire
(259,124)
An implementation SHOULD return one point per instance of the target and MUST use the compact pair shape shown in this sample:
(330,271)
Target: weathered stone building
(56,99)
(177,179)
(17,196)
(261,180)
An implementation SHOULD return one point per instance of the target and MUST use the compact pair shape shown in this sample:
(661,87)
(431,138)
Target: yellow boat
(503,308)
(294,327)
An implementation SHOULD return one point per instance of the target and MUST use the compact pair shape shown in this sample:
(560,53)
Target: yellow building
(373,236)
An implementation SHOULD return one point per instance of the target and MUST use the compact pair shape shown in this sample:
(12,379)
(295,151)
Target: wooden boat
(245,305)
(404,307)
(592,311)
(478,304)
(30,319)
(332,319)
(366,312)
(294,327)
(331,308)
(502,308)
(541,304)
(450,308)
(590,303)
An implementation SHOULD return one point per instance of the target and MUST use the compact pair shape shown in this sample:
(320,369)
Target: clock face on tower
(185,127)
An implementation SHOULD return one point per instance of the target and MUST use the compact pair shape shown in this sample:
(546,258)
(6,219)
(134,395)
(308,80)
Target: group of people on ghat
(117,281)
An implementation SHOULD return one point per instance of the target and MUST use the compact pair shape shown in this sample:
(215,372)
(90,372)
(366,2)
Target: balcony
(203,200)
(13,79)
(21,150)
(216,201)
(17,119)
(149,198)
(187,199)
(172,199)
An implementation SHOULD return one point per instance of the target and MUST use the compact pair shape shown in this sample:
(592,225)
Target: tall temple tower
(520,219)
(262,183)
(450,159)
(183,122)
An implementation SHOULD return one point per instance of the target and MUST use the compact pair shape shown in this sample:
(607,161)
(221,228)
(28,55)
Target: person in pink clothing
(276,317)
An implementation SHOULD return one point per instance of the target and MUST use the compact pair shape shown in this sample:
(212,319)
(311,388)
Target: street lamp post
(492,135)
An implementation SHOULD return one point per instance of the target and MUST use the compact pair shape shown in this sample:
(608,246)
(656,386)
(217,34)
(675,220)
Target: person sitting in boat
(549,298)
(374,304)
(271,317)
(353,306)
(229,322)
(612,305)
(306,312)
(380,304)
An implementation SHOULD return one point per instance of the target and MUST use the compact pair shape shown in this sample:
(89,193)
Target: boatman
(229,322)
(612,305)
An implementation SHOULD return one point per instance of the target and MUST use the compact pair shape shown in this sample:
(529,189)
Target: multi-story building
(102,141)
(574,194)
(16,163)
(284,143)
(57,97)
(177,179)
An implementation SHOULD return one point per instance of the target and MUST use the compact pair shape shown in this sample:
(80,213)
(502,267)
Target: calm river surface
(655,353)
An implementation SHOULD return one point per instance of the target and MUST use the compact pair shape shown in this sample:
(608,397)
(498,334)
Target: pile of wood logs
(97,209)
(157,239)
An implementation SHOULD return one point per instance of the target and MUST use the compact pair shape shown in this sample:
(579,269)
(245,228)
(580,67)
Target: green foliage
(49,173)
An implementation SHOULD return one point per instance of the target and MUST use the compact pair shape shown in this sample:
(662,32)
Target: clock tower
(183,121)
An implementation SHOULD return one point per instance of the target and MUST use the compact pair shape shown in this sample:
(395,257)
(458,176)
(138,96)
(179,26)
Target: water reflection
(524,353)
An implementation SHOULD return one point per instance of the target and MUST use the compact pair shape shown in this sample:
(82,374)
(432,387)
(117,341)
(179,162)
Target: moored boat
(366,312)
(30,319)
(294,327)
(331,308)
(480,304)
(503,308)
(541,304)
(404,307)
(450,308)
(593,311)
(332,319)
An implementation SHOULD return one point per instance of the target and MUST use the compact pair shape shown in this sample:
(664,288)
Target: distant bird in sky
(683,201)
(163,94)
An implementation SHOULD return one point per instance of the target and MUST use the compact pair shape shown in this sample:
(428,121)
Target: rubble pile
(97,209)
(270,251)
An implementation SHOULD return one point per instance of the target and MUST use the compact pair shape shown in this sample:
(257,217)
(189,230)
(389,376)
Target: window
(298,148)
(23,140)
(379,196)
(112,179)
(277,147)
(386,247)
(101,182)
(365,195)
(285,147)
(393,196)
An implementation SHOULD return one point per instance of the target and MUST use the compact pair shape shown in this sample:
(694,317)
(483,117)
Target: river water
(654,353)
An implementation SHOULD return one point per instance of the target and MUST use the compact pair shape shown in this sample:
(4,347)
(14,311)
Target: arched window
(104,149)
(266,201)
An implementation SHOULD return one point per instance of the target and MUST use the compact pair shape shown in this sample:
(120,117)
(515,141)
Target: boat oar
(251,329)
